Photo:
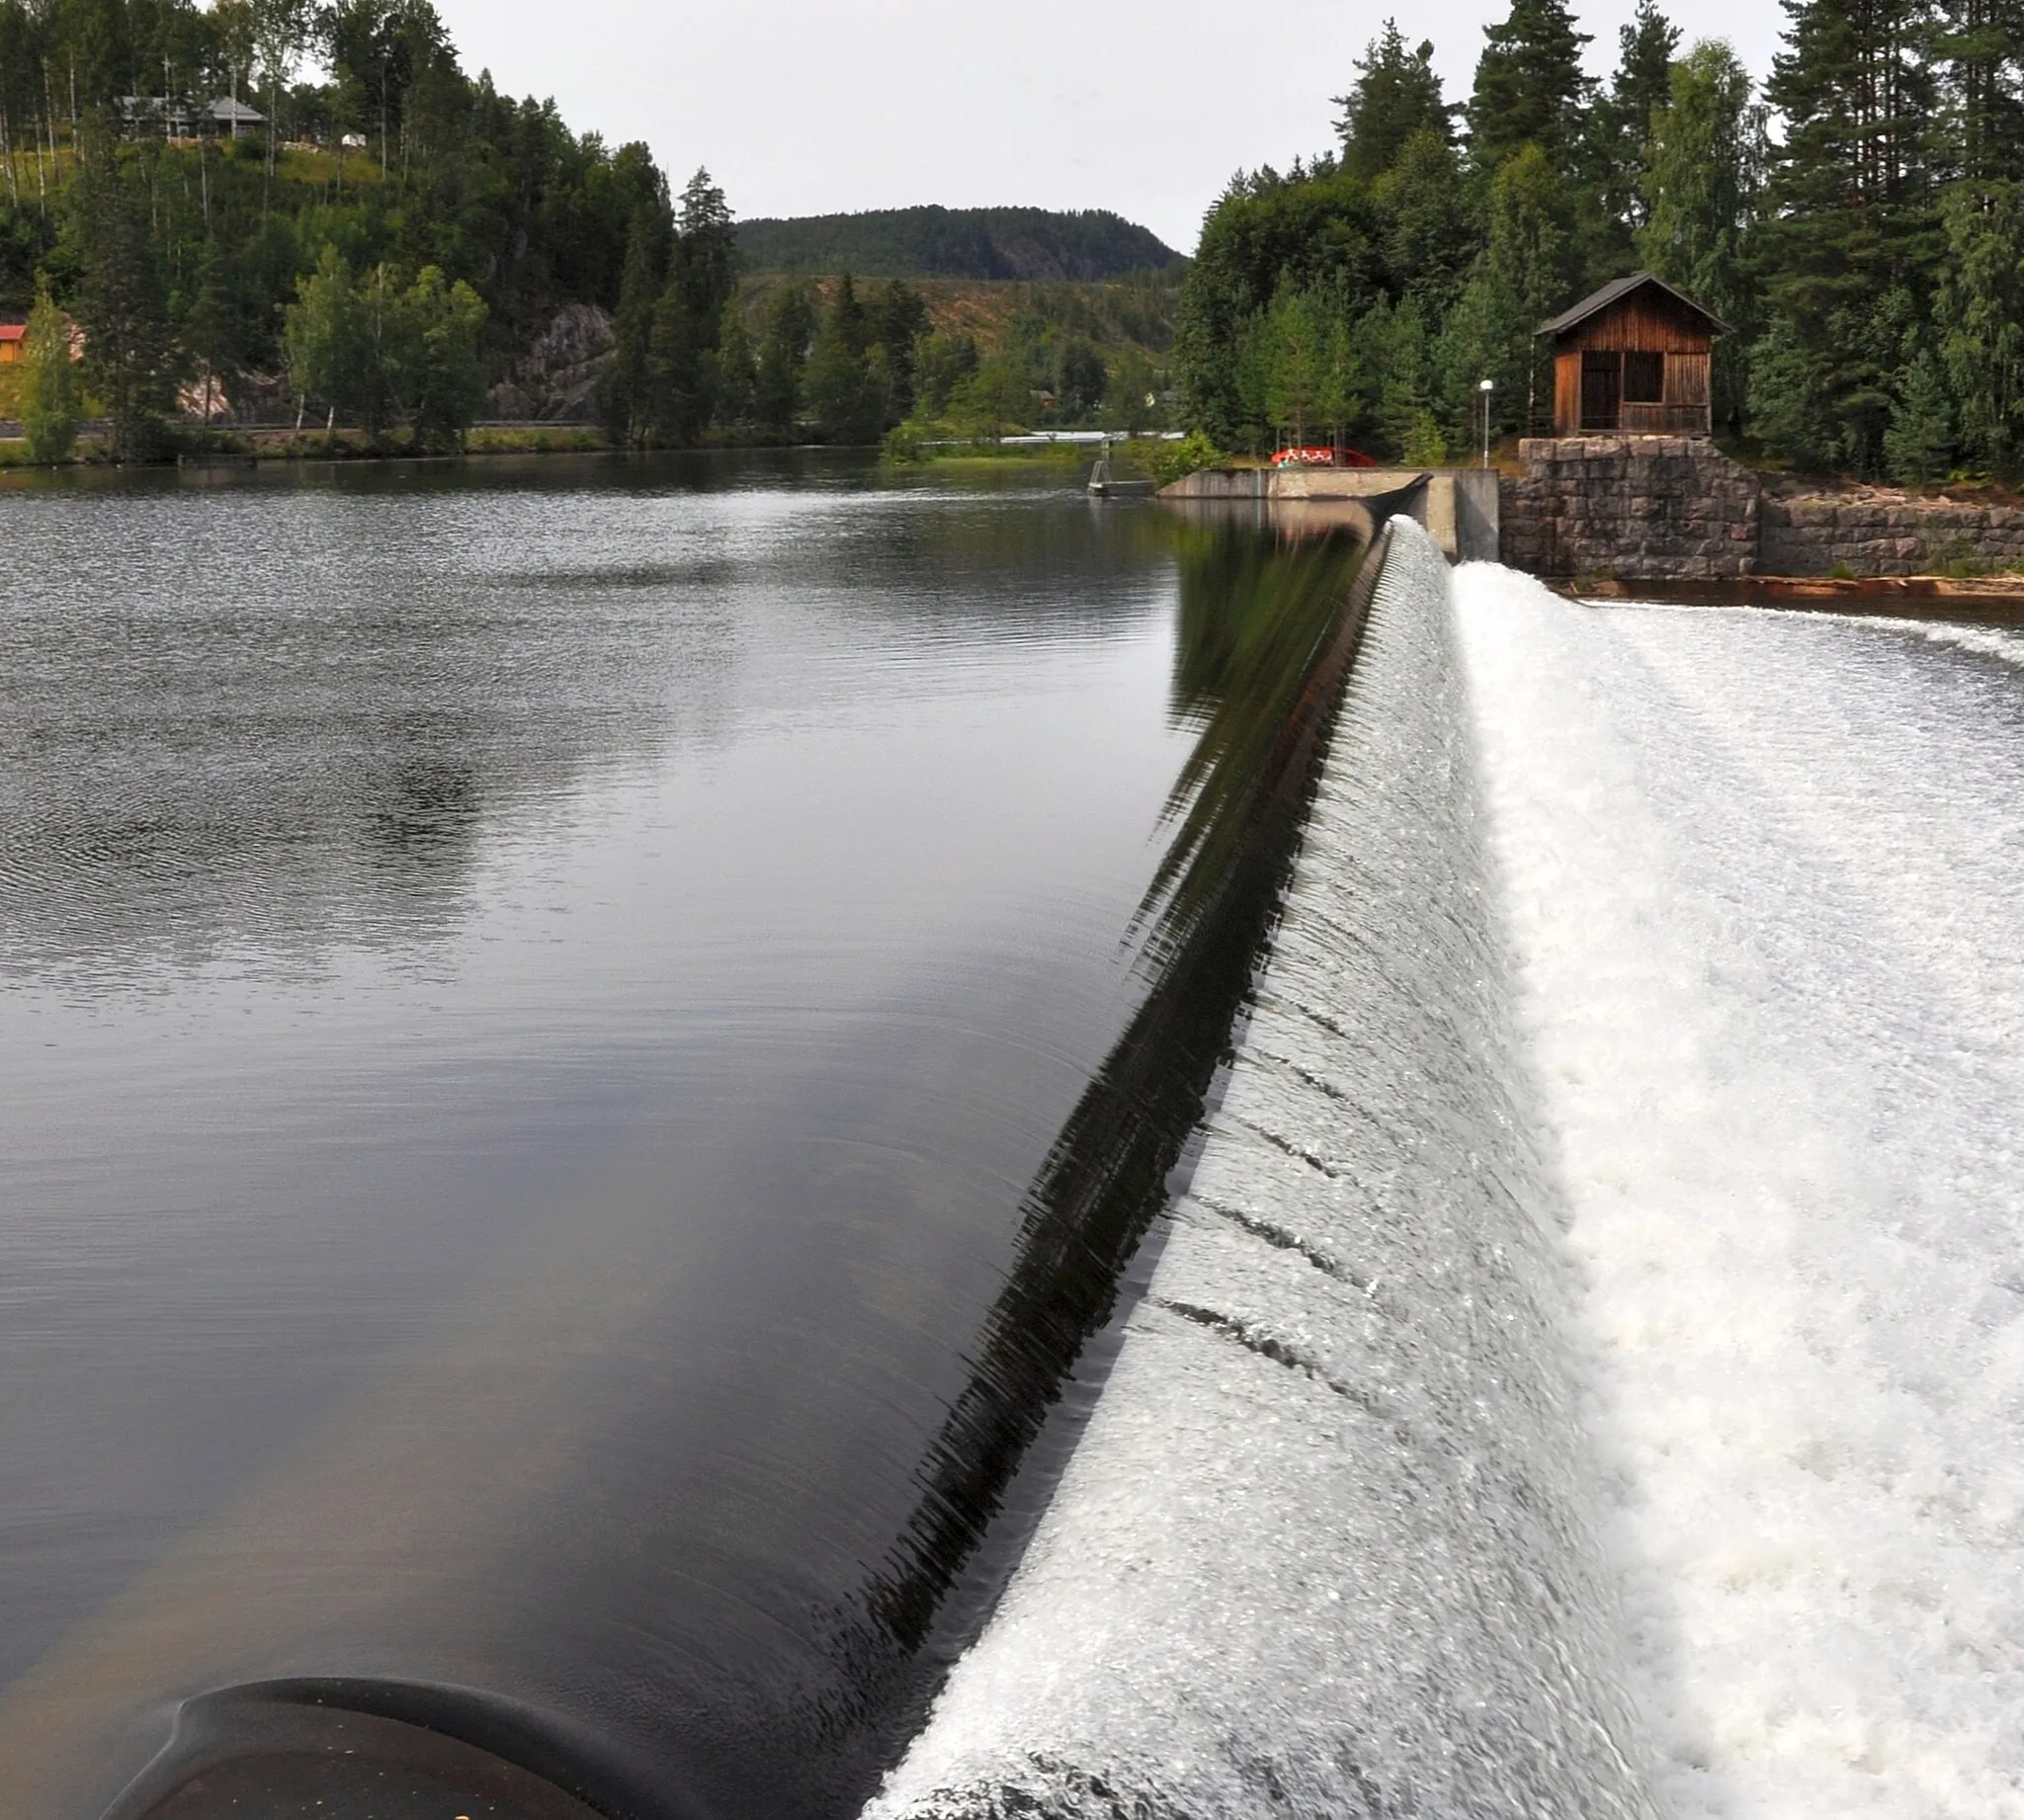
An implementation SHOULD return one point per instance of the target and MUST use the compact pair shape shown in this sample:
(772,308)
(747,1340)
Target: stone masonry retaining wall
(1670,508)
(1645,508)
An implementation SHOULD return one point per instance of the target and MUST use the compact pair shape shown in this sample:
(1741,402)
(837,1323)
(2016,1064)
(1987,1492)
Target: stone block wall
(1641,508)
(1884,534)
(1672,508)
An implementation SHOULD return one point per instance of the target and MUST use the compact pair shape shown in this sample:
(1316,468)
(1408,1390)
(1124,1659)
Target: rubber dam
(1478,1271)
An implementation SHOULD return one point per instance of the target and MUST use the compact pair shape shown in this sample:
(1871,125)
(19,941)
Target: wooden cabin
(13,342)
(1633,360)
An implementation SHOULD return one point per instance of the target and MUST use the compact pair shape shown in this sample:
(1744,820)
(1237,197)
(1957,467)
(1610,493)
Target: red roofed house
(13,342)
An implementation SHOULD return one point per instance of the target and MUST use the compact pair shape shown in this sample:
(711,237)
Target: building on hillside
(13,343)
(1633,360)
(176,117)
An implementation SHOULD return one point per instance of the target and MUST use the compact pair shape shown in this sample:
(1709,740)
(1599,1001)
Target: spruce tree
(1642,86)
(122,304)
(1979,315)
(1850,228)
(1918,446)
(623,397)
(1395,96)
(1430,230)
(1529,86)
(1702,191)
(783,359)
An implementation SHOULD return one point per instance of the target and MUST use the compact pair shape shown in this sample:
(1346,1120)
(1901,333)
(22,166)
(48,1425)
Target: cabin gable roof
(1615,291)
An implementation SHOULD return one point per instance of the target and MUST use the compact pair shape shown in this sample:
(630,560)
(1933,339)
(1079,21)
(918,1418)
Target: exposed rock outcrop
(556,380)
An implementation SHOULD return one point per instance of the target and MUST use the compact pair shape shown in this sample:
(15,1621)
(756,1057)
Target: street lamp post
(1487,388)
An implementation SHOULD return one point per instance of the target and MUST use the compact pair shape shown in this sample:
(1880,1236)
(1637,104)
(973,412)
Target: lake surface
(542,1009)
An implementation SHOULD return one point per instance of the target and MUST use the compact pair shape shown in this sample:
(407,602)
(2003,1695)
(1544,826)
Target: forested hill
(1032,244)
(1857,220)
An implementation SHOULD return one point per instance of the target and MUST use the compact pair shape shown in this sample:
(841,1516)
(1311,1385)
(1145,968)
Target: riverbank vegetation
(1858,221)
(312,219)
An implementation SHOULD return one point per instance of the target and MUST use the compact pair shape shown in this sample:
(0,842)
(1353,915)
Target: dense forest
(1858,221)
(278,211)
(1029,244)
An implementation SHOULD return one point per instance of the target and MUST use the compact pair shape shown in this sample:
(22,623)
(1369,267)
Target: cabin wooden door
(1602,391)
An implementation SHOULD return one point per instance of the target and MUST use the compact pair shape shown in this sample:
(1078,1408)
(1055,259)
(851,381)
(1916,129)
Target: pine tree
(1395,96)
(838,385)
(1529,86)
(1979,48)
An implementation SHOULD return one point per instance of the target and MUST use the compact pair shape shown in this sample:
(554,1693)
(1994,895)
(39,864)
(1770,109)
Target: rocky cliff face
(556,380)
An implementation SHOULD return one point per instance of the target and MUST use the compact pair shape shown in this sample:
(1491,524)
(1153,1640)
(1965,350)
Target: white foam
(1765,878)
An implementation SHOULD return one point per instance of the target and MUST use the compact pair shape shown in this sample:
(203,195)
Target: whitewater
(1763,878)
(1584,1374)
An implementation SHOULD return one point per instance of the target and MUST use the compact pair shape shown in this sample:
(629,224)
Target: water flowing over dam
(694,1140)
(1584,1375)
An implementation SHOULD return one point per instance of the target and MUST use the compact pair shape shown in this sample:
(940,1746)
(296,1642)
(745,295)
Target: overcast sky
(1141,106)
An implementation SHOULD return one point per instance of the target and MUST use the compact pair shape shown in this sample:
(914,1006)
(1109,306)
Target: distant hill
(1032,244)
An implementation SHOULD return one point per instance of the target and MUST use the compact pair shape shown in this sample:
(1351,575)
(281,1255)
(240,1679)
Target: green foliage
(843,391)
(1980,313)
(1918,446)
(1847,241)
(992,400)
(1703,187)
(972,243)
(1859,228)
(51,400)
(1529,86)
(783,361)
(130,357)
(383,352)
(1622,119)
(1168,462)
(940,364)
(1396,97)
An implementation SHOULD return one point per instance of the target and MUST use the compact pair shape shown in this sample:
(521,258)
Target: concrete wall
(1459,508)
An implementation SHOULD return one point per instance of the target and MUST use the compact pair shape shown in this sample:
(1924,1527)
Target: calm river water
(545,1011)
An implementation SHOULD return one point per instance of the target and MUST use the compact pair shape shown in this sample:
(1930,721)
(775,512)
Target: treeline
(1858,224)
(392,197)
(1029,244)
(841,362)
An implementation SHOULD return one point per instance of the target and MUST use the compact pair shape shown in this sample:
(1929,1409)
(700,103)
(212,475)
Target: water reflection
(639,1328)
